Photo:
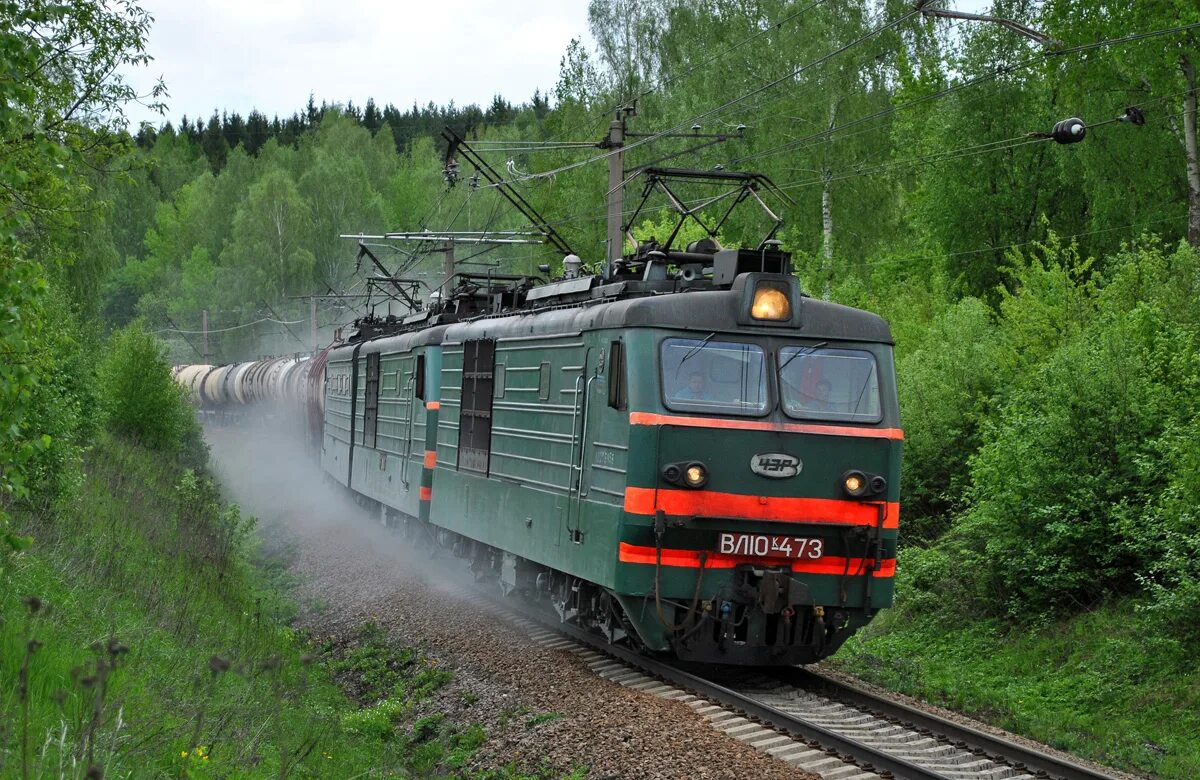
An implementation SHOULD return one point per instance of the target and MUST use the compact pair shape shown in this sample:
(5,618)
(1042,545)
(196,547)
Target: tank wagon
(292,386)
(685,452)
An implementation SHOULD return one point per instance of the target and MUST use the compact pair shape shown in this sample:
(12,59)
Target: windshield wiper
(695,349)
(802,351)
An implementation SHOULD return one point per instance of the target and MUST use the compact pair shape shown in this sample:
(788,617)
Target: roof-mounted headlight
(771,302)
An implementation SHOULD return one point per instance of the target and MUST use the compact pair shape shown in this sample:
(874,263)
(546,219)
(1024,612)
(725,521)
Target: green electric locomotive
(684,452)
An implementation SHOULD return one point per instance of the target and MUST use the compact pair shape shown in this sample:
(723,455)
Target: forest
(1044,297)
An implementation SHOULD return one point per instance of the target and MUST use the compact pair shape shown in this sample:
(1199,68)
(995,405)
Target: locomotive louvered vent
(475,422)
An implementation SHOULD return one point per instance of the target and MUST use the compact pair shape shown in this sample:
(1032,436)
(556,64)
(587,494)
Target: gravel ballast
(542,709)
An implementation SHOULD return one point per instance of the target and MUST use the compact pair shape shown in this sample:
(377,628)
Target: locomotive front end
(762,509)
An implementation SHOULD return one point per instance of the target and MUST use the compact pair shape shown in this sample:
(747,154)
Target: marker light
(770,303)
(695,475)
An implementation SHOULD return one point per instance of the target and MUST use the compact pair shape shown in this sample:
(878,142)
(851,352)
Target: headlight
(770,303)
(860,485)
(695,475)
(854,483)
(692,474)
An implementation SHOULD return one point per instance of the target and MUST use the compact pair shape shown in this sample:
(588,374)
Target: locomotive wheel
(610,621)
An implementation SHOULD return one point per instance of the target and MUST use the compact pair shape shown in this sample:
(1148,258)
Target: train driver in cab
(696,388)
(820,401)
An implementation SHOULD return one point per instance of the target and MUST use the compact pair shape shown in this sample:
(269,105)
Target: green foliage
(542,717)
(198,643)
(946,387)
(139,397)
(660,230)
(202,678)
(22,291)
(45,389)
(1082,473)
(60,102)
(377,721)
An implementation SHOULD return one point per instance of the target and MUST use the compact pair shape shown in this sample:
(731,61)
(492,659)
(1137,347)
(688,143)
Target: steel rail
(870,759)
(997,748)
(698,681)
(867,758)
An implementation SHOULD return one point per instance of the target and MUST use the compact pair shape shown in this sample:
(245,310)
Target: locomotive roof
(705,311)
(699,310)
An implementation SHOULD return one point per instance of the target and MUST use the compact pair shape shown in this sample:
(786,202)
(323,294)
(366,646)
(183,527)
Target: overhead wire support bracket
(1039,37)
(466,238)
(459,145)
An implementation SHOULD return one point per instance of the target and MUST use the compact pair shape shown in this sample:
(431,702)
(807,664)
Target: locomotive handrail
(571,457)
(587,399)
(412,405)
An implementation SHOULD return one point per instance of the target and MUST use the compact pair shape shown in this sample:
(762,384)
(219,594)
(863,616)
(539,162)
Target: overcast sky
(237,55)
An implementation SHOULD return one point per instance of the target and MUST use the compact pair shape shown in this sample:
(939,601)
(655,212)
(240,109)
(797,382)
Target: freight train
(683,452)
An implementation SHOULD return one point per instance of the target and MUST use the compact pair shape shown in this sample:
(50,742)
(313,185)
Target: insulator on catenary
(1133,115)
(1069,131)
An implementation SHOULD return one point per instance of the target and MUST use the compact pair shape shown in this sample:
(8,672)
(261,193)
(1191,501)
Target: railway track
(811,721)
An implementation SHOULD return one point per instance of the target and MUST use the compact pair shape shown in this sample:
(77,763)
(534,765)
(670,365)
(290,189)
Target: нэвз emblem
(776,465)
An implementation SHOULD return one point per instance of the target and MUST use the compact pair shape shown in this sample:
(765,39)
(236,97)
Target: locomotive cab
(762,506)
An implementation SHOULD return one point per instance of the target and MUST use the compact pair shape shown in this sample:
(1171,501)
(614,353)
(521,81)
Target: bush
(45,385)
(1084,484)
(946,386)
(139,397)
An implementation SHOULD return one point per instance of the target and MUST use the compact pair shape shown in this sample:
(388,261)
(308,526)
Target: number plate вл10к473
(764,546)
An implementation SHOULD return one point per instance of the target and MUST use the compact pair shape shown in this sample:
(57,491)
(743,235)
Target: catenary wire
(995,73)
(230,328)
(713,111)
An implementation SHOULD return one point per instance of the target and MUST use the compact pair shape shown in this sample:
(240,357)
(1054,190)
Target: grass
(1106,684)
(540,718)
(146,634)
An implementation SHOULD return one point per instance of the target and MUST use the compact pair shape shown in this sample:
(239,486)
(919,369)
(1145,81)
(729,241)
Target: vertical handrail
(587,397)
(571,456)
(412,405)
(574,424)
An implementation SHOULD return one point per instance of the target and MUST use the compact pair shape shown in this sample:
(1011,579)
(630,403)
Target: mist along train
(685,453)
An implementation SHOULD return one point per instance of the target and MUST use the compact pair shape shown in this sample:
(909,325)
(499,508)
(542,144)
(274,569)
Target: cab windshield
(817,383)
(717,377)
